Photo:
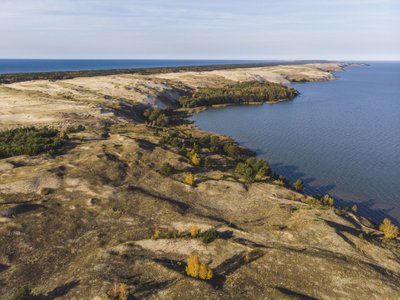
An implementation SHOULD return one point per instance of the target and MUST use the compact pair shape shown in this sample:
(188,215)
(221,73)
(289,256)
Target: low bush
(209,235)
(118,291)
(158,116)
(75,129)
(23,293)
(29,141)
(298,185)
(166,169)
(327,200)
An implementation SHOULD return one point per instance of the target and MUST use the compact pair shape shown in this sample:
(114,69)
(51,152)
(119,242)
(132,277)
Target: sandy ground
(94,99)
(95,227)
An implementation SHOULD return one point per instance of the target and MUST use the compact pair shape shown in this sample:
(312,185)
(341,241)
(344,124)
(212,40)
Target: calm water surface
(340,137)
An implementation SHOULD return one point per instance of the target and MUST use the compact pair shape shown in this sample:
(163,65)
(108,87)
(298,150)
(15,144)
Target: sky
(201,29)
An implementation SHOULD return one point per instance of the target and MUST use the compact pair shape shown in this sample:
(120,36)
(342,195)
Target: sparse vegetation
(198,269)
(189,179)
(281,180)
(75,129)
(29,141)
(298,185)
(253,169)
(156,234)
(242,92)
(158,116)
(389,230)
(354,208)
(327,200)
(209,235)
(195,159)
(118,291)
(105,132)
(23,293)
(166,169)
(186,143)
(194,231)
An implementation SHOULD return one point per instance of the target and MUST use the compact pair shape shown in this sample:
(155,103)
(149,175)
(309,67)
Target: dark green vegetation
(24,293)
(29,141)
(158,117)
(242,160)
(208,144)
(242,92)
(209,235)
(253,169)
(19,77)
(166,169)
(75,129)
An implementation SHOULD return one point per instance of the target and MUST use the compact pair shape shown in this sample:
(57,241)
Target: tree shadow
(20,209)
(146,289)
(295,295)
(59,291)
(3,268)
(183,207)
(220,272)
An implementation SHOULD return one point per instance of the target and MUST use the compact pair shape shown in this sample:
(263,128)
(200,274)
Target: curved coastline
(127,197)
(374,215)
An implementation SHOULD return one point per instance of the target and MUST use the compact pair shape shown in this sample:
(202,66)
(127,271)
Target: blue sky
(201,29)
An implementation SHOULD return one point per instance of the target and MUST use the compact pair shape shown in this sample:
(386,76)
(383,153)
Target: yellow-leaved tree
(205,272)
(192,268)
(390,230)
(189,179)
(195,159)
(194,231)
(198,270)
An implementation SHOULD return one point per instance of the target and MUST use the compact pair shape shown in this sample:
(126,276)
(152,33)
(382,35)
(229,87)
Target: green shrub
(253,169)
(209,236)
(298,185)
(75,129)
(158,116)
(29,141)
(23,293)
(166,169)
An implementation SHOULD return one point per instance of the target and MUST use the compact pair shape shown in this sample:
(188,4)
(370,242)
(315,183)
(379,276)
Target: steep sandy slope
(92,100)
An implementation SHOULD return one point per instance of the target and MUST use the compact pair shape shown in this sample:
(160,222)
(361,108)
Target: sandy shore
(91,100)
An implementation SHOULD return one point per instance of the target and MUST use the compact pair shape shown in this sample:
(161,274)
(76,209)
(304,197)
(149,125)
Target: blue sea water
(340,137)
(9,66)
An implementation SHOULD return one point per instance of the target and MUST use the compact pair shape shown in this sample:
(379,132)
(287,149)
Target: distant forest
(243,92)
(19,77)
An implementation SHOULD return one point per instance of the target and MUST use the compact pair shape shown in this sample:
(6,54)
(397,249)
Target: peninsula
(108,191)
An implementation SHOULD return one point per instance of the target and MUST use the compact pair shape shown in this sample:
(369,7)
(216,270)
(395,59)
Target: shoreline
(372,218)
(122,199)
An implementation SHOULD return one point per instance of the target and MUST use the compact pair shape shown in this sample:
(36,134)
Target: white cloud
(203,29)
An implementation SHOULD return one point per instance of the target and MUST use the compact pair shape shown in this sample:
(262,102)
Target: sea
(12,66)
(339,137)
